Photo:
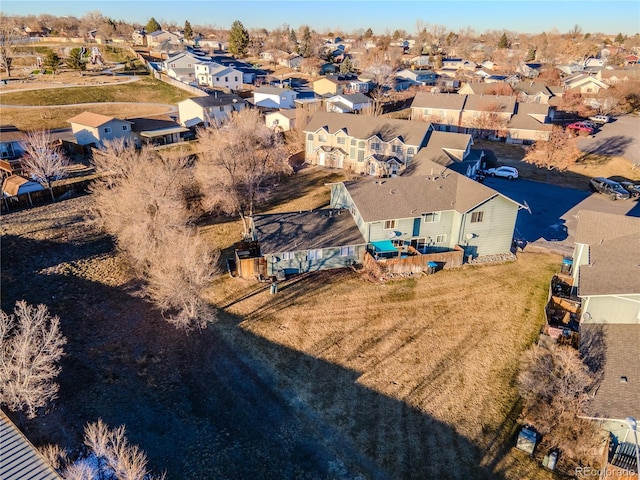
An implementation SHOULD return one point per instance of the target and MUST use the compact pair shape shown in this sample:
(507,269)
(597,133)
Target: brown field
(409,379)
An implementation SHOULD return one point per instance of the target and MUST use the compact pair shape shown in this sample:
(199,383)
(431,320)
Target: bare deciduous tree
(8,38)
(237,160)
(110,456)
(149,204)
(559,152)
(555,384)
(43,161)
(490,120)
(31,348)
(381,74)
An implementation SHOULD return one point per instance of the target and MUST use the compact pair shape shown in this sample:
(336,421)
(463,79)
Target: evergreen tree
(346,66)
(620,39)
(293,40)
(188,31)
(368,33)
(238,39)
(75,60)
(152,26)
(504,41)
(304,49)
(531,54)
(51,61)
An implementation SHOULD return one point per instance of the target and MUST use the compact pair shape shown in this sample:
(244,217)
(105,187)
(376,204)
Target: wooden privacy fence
(415,262)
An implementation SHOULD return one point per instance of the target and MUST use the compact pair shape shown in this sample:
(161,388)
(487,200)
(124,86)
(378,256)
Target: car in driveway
(632,188)
(503,171)
(608,187)
(602,119)
(581,128)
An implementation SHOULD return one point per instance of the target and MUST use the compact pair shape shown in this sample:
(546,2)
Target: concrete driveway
(551,222)
(618,138)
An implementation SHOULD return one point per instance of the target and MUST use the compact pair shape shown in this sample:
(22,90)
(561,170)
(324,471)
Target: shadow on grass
(222,403)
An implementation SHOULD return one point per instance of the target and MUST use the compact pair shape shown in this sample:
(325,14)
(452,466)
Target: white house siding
(494,235)
(580,257)
(611,309)
(86,135)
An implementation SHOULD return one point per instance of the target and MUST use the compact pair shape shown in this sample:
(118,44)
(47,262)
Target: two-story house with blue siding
(432,213)
(366,145)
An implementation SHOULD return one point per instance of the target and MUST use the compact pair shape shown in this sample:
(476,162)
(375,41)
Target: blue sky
(525,16)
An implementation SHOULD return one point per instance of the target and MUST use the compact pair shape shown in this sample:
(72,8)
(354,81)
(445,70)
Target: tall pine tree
(188,31)
(238,39)
(152,26)
(504,41)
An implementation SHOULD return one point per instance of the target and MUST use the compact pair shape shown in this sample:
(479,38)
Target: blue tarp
(384,246)
(432,264)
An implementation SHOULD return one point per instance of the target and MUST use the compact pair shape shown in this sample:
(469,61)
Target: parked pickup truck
(600,119)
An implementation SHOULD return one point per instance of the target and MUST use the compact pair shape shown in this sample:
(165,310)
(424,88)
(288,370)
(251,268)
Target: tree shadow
(615,146)
(224,402)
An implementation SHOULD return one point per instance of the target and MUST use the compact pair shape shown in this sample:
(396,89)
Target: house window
(360,144)
(398,243)
(431,217)
(226,79)
(349,251)
(353,142)
(107,129)
(410,152)
(235,79)
(124,128)
(389,224)
(361,155)
(288,256)
(217,79)
(476,217)
(352,153)
(441,238)
(310,137)
(397,149)
(341,140)
(427,111)
(315,254)
(375,146)
(322,137)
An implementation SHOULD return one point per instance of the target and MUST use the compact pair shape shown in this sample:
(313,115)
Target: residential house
(631,59)
(458,64)
(181,66)
(19,458)
(529,70)
(292,60)
(605,275)
(532,92)
(442,109)
(214,75)
(273,55)
(298,242)
(432,213)
(482,88)
(613,76)
(282,120)
(250,74)
(162,37)
(273,97)
(366,145)
(448,149)
(160,130)
(339,84)
(583,83)
(348,103)
(209,110)
(11,142)
(420,61)
(487,115)
(94,129)
(139,38)
(531,122)
(593,63)
(418,77)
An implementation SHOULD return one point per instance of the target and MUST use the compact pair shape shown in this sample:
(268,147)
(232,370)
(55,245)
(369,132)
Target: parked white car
(503,171)
(600,119)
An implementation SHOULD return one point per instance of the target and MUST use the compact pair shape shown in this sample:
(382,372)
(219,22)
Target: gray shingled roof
(618,346)
(364,127)
(532,88)
(355,97)
(267,90)
(409,196)
(614,253)
(19,459)
(480,102)
(441,101)
(435,151)
(291,232)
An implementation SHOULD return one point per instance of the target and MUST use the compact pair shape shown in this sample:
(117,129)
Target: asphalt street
(551,217)
(618,138)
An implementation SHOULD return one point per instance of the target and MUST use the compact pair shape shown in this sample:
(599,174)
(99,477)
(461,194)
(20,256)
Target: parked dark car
(632,188)
(608,187)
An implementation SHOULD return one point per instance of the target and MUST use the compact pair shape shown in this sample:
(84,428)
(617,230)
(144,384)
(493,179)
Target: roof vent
(624,379)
